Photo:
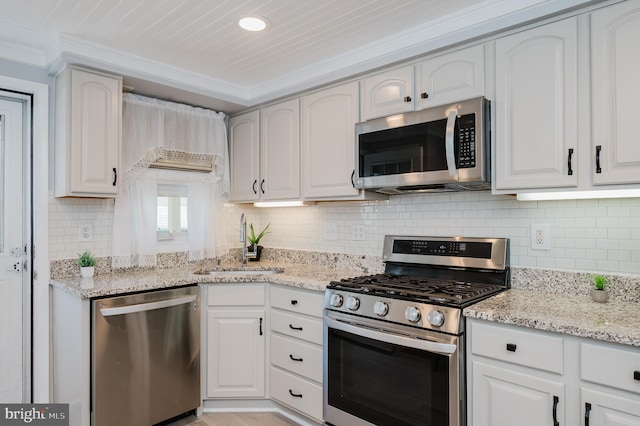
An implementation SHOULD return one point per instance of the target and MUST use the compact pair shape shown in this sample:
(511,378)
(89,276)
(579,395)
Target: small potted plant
(254,239)
(87,264)
(600,292)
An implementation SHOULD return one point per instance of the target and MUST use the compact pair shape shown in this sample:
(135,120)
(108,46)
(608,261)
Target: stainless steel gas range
(394,343)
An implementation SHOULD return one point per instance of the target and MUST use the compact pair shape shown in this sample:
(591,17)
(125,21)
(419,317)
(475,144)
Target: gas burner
(421,289)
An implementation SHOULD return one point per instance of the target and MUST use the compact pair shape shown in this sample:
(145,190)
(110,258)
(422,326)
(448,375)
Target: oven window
(387,384)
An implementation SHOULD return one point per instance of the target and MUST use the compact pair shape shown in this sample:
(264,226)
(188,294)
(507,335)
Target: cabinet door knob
(353,173)
(424,95)
(255,182)
(407,98)
(115,176)
(570,172)
(294,302)
(261,326)
(511,347)
(262,186)
(636,375)
(598,149)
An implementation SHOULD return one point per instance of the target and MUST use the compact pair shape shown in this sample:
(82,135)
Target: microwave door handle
(448,141)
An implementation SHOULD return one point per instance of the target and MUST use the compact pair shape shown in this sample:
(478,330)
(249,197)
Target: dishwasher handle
(142,307)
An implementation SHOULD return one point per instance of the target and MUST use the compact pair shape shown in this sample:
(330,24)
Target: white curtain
(154,129)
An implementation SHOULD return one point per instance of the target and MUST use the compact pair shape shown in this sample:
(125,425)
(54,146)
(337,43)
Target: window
(172,220)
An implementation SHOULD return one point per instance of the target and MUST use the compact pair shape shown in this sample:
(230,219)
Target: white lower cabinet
(296,349)
(235,336)
(517,377)
(520,376)
(503,397)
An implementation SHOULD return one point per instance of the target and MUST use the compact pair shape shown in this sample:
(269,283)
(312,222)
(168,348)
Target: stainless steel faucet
(243,237)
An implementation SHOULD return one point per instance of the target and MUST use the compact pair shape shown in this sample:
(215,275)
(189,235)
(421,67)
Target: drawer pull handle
(295,395)
(294,302)
(587,413)
(295,328)
(636,375)
(294,358)
(511,347)
(555,411)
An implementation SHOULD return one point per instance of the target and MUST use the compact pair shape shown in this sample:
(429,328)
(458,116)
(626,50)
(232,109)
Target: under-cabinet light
(283,203)
(579,195)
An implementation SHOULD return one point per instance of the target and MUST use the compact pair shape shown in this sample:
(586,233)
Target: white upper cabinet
(536,107)
(446,78)
(88,133)
(244,150)
(280,151)
(452,77)
(265,153)
(328,120)
(615,67)
(387,93)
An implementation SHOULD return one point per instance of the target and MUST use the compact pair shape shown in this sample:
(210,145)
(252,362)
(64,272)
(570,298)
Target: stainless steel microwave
(444,148)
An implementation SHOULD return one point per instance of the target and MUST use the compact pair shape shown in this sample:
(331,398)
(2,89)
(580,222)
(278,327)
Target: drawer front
(522,347)
(236,294)
(296,300)
(615,367)
(309,329)
(298,357)
(297,393)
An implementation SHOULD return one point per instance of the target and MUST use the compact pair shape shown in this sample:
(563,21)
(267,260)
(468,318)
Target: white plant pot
(87,271)
(599,296)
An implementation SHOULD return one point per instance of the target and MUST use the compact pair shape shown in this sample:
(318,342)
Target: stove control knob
(381,308)
(353,303)
(435,318)
(336,300)
(412,314)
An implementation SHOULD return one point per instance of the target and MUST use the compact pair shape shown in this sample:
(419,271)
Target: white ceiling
(194,51)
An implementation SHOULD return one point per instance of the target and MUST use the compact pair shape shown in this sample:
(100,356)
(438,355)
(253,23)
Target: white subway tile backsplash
(586,235)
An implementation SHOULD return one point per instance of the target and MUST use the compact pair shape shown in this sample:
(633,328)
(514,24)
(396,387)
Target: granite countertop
(615,321)
(312,277)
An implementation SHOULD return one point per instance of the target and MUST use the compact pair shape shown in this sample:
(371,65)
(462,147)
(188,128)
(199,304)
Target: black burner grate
(419,289)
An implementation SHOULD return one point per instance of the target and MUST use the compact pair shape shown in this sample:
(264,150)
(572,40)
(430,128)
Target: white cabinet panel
(451,77)
(605,409)
(536,107)
(387,93)
(280,151)
(244,142)
(328,147)
(615,66)
(88,133)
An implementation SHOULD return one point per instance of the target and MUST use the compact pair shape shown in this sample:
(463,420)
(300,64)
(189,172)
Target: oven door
(378,373)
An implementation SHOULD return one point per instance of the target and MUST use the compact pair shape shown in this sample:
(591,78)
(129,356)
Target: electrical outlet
(358,233)
(540,236)
(330,231)
(85,232)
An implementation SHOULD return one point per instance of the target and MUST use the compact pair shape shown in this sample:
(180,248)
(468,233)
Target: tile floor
(236,419)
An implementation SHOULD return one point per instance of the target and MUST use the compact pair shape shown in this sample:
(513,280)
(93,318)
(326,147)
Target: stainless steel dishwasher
(145,357)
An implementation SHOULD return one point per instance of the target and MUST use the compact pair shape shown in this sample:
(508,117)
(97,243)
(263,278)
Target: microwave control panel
(467,141)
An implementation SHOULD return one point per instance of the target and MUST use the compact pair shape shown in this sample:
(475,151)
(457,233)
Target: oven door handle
(448,142)
(389,337)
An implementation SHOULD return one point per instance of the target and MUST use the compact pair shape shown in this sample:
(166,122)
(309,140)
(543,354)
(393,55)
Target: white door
(13,334)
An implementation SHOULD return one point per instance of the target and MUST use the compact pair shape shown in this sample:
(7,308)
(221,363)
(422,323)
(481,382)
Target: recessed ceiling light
(253,23)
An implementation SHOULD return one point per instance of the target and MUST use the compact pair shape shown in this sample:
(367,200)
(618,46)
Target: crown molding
(23,54)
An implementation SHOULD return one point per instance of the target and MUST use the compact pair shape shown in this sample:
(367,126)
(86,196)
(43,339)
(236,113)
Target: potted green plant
(254,241)
(600,291)
(87,264)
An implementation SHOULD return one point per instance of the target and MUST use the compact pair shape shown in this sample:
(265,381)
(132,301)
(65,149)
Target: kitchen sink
(216,272)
